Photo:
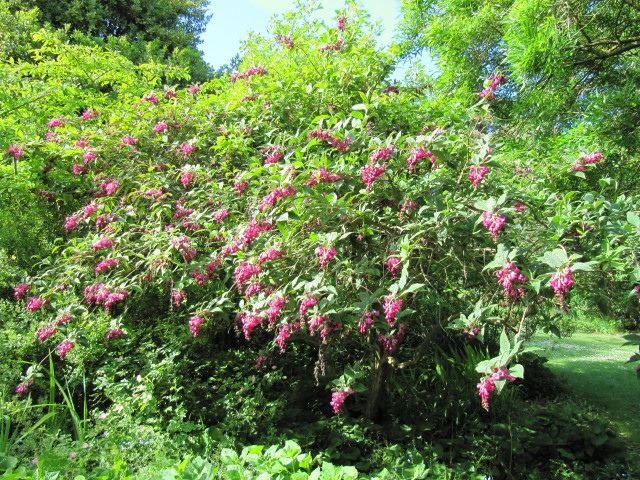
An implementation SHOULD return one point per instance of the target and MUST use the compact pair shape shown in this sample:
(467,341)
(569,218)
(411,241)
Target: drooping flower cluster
(325,255)
(371,172)
(342,23)
(195,324)
(109,187)
(244,272)
(391,307)
(102,244)
(63,319)
(493,222)
(186,149)
(113,333)
(183,245)
(487,384)
(327,136)
(491,84)
(36,303)
(16,150)
(322,175)
(106,264)
(367,320)
(390,344)
(589,159)
(306,304)
(511,279)
(160,127)
(338,398)
(382,153)
(249,321)
(270,254)
(23,387)
(393,264)
(99,294)
(418,154)
(273,154)
(220,215)
(285,40)
(55,122)
(43,333)
(561,282)
(20,290)
(275,308)
(178,297)
(270,199)
(152,98)
(64,348)
(256,70)
(335,46)
(477,174)
(129,140)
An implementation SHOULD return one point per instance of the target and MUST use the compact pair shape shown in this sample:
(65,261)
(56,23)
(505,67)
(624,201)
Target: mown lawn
(593,367)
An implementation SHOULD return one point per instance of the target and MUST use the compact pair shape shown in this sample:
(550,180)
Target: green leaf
(505,344)
(555,259)
(634,219)
(517,370)
(359,106)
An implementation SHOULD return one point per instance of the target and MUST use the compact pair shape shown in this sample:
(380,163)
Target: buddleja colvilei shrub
(278,200)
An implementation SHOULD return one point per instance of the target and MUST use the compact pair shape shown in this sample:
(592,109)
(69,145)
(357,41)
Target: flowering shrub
(278,218)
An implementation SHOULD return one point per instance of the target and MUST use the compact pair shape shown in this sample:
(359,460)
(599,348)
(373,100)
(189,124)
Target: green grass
(593,368)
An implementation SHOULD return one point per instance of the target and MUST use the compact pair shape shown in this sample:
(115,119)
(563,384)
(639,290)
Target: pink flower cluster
(244,272)
(477,174)
(195,324)
(342,23)
(494,82)
(493,222)
(284,333)
(23,387)
(338,398)
(249,321)
(487,384)
(20,290)
(259,70)
(15,150)
(367,320)
(393,264)
(106,264)
(327,136)
(64,348)
(113,333)
(160,127)
(285,40)
(335,46)
(102,244)
(186,177)
(109,187)
(382,153)
(71,222)
(55,122)
(270,199)
(275,308)
(270,254)
(178,296)
(36,303)
(408,205)
(151,98)
(418,154)
(129,140)
(183,245)
(322,175)
(43,333)
(561,282)
(220,215)
(99,294)
(89,114)
(193,89)
(186,149)
(273,154)
(325,255)
(307,303)
(585,160)
(511,279)
(390,345)
(63,319)
(391,307)
(371,172)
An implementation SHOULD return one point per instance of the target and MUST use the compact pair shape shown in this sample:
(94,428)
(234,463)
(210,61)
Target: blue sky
(233,19)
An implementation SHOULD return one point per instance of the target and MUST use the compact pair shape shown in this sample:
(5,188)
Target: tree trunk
(376,386)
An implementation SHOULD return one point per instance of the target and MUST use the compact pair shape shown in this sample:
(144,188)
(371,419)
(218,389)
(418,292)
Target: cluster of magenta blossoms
(561,282)
(488,384)
(584,160)
(491,84)
(512,280)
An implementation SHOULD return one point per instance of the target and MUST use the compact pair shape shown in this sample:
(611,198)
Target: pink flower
(510,277)
(253,289)
(81,143)
(251,232)
(408,205)
(337,45)
(383,153)
(178,297)
(160,127)
(64,348)
(109,187)
(393,264)
(249,322)
(103,243)
(89,209)
(260,362)
(561,282)
(284,332)
(270,199)
(195,324)
(43,333)
(592,158)
(273,154)
(220,215)
(71,222)
(129,140)
(477,174)
(503,373)
(471,331)
(418,154)
(154,193)
(63,319)
(270,254)
(185,149)
(493,222)
(193,89)
(485,387)
(55,122)
(487,93)
(78,169)
(371,172)
(20,290)
(15,150)
(285,40)
(578,167)
(367,320)
(342,23)
(23,388)
(338,398)
(151,98)
(391,307)
(186,177)
(316,322)
(327,136)
(106,264)
(322,175)
(113,298)
(325,255)
(36,303)
(113,333)
(240,186)
(89,114)
(244,272)
(89,156)
(520,207)
(306,304)
(200,277)
(276,305)
(391,89)
(170,94)
(637,290)
(256,70)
